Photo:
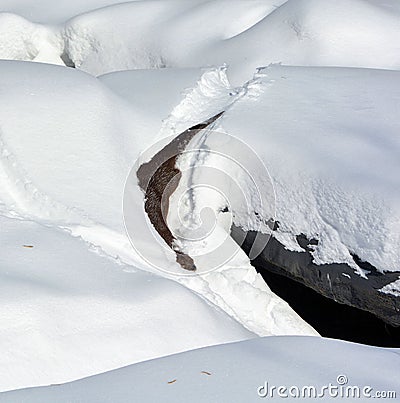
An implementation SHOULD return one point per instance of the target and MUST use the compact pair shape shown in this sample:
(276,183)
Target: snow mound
(65,120)
(23,40)
(245,35)
(90,137)
(334,175)
(315,33)
(43,11)
(296,32)
(72,313)
(332,152)
(235,287)
(68,141)
(213,374)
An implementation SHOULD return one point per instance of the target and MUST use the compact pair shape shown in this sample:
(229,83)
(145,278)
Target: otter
(159,178)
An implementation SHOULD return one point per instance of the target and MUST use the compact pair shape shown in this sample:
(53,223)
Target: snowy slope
(154,92)
(176,33)
(334,158)
(82,300)
(331,146)
(68,123)
(68,311)
(43,11)
(237,373)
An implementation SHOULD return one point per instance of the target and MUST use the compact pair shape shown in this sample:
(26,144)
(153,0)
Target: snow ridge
(212,93)
(235,287)
(172,33)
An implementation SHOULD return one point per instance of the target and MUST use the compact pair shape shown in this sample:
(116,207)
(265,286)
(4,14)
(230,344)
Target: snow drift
(72,312)
(246,35)
(238,372)
(68,140)
(67,144)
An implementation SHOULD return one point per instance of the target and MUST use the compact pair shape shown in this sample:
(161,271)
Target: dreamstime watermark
(340,389)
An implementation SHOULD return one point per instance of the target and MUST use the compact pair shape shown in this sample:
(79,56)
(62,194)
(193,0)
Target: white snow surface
(82,300)
(176,33)
(68,311)
(329,141)
(67,144)
(392,288)
(234,373)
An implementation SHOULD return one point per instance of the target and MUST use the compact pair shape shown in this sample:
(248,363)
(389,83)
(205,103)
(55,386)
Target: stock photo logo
(341,389)
(193,188)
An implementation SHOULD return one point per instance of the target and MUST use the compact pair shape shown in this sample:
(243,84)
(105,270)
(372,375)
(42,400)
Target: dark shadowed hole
(330,318)
(67,60)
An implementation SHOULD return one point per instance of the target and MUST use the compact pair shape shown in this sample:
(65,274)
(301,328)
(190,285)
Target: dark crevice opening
(67,60)
(329,318)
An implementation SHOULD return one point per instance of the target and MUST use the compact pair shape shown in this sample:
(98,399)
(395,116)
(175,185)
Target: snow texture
(234,373)
(77,299)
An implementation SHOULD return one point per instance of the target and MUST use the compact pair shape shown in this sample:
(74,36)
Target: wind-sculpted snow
(68,312)
(331,146)
(65,118)
(224,274)
(70,125)
(43,11)
(305,368)
(306,153)
(245,35)
(335,174)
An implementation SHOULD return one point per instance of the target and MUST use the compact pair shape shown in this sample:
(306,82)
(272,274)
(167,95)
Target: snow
(235,287)
(43,11)
(154,92)
(67,144)
(235,372)
(68,121)
(333,161)
(173,33)
(314,146)
(392,288)
(68,311)
(333,158)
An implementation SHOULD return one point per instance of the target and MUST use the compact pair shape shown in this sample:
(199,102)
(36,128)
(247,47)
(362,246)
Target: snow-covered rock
(331,155)
(332,149)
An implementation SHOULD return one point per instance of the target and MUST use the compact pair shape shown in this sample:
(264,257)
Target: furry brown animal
(159,178)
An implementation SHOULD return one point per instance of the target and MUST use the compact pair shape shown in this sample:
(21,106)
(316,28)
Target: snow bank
(296,32)
(90,138)
(66,121)
(154,93)
(68,141)
(332,152)
(315,33)
(69,312)
(24,40)
(333,158)
(43,11)
(238,372)
(245,35)
(236,287)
